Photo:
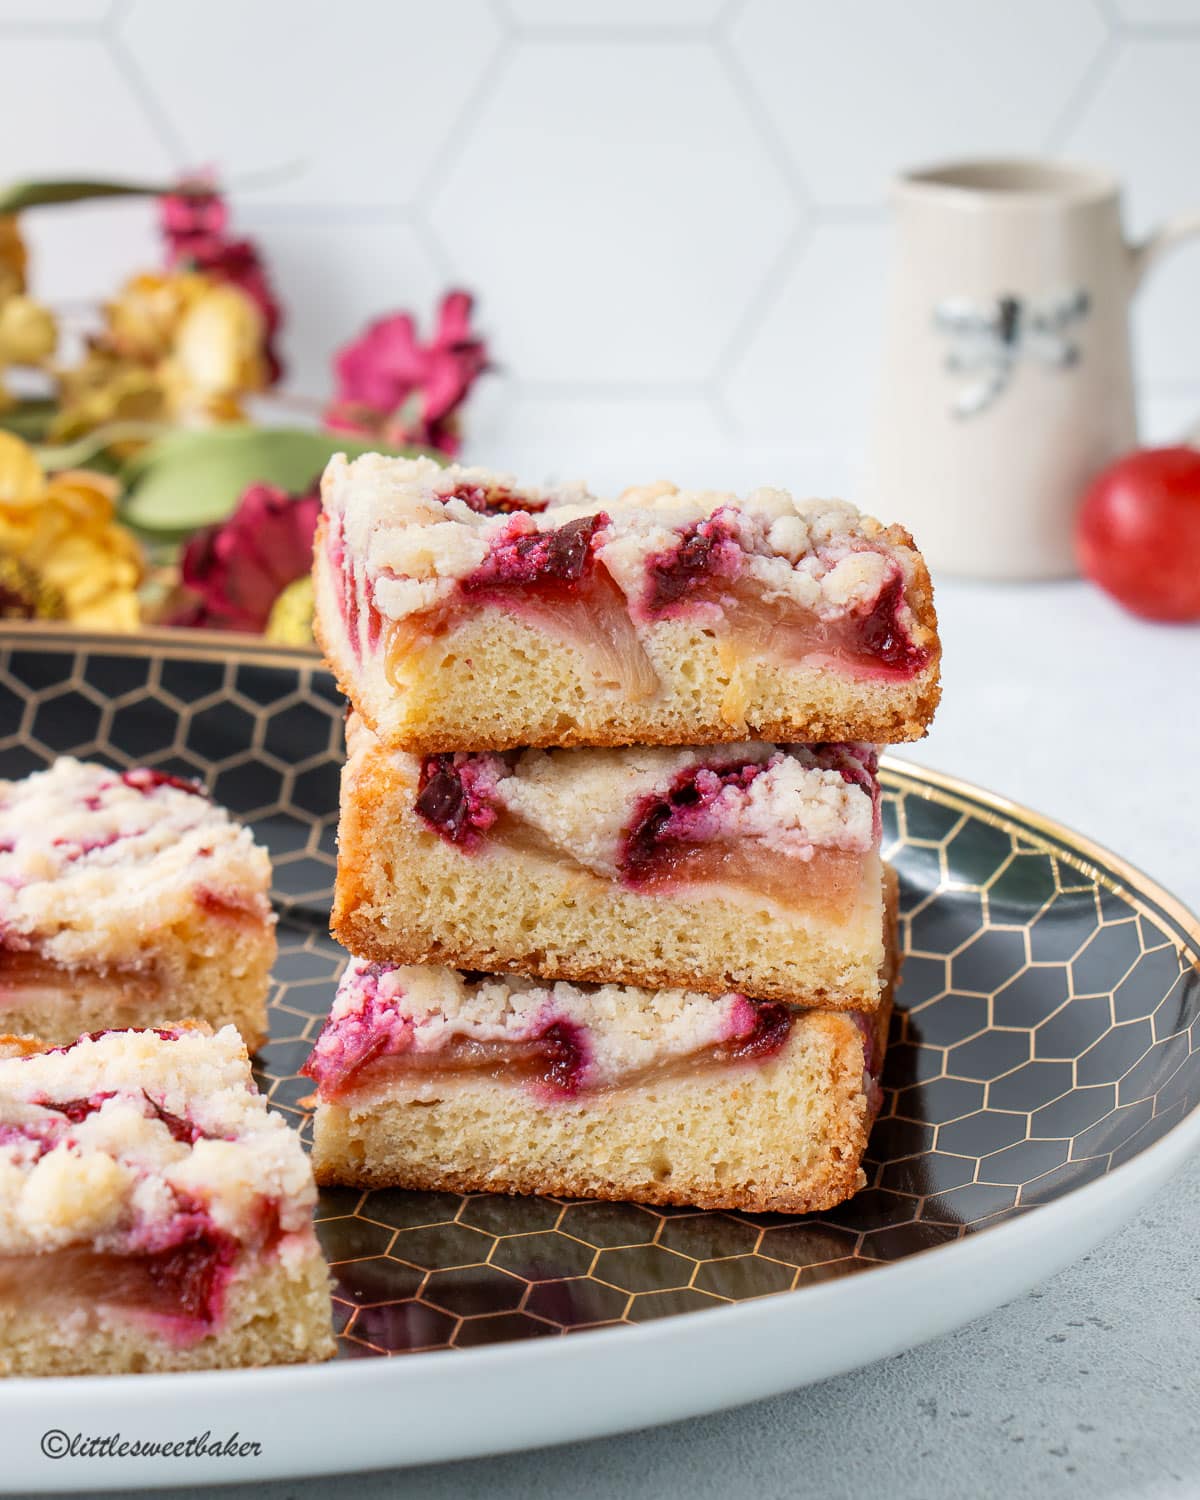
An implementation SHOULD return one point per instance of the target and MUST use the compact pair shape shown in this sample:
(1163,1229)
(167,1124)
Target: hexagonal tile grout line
(758,307)
(83,29)
(109,31)
(142,91)
(1123,27)
(711,386)
(775,278)
(427,188)
(665,34)
(1084,91)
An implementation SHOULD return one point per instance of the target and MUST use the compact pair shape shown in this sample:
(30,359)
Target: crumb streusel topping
(127,1140)
(791,800)
(95,863)
(403,527)
(617,1030)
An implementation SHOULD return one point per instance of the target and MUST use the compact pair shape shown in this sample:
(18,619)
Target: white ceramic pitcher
(1006,381)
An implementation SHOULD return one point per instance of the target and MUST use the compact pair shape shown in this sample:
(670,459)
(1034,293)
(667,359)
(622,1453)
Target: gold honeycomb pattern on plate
(1048,1027)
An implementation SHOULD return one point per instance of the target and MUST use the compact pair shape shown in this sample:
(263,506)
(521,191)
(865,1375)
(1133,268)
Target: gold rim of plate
(210,645)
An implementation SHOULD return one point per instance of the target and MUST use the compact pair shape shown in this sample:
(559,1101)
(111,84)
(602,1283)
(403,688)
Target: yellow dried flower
(217,355)
(13,257)
(177,347)
(291,619)
(61,531)
(28,332)
(104,388)
(24,596)
(142,320)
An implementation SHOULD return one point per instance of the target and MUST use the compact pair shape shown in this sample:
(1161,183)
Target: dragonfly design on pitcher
(988,339)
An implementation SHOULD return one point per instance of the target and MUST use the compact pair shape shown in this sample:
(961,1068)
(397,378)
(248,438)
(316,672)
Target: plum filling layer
(551,565)
(707,553)
(829,884)
(872,1062)
(77,1110)
(233,907)
(28,977)
(40,1136)
(354,600)
(182,1129)
(185,1282)
(553,580)
(145,779)
(870,644)
(454,798)
(665,825)
(553,1065)
(494,500)
(705,571)
(674,838)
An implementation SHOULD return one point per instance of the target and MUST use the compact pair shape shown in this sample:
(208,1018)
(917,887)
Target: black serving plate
(1046,1029)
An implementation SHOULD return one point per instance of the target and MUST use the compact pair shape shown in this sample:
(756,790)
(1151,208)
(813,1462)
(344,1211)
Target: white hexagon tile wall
(673,212)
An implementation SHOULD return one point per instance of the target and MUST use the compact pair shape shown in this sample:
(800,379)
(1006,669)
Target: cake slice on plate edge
(154,1215)
(128,898)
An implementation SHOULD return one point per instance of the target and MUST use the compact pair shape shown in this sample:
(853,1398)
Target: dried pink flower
(194,222)
(236,570)
(396,389)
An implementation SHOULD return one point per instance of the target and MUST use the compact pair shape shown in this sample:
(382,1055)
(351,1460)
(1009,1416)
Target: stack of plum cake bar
(153,1214)
(128,898)
(609,850)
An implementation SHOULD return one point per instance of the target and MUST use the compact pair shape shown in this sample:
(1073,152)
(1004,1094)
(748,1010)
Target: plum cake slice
(153,1214)
(461,612)
(432,1079)
(128,898)
(752,867)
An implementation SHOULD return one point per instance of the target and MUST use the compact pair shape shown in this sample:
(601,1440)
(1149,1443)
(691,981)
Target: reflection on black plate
(1047,1028)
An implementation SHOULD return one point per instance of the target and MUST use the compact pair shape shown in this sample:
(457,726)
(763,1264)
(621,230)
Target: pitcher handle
(1147,252)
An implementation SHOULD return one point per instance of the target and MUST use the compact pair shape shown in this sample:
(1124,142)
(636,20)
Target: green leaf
(192,478)
(29,420)
(21,195)
(91,451)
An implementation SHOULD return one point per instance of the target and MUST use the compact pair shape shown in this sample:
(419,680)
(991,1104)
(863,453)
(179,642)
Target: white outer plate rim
(452,1404)
(422,1408)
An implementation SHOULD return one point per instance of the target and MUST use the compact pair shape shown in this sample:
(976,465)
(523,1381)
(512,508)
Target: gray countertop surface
(1088,1385)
